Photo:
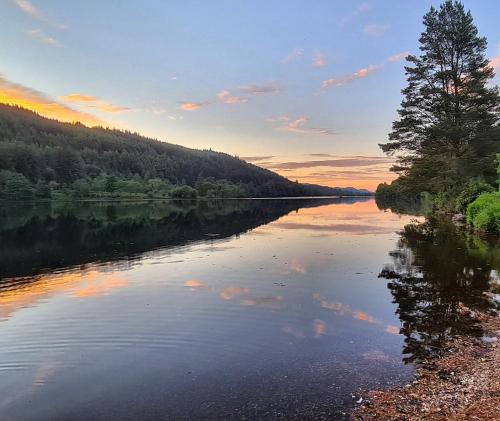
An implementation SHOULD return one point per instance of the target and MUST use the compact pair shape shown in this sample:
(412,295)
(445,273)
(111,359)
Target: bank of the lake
(461,380)
(462,385)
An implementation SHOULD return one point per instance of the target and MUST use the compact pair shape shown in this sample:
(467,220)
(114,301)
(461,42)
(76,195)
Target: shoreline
(464,384)
(165,199)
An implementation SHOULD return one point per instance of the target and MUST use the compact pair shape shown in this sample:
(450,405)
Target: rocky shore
(464,384)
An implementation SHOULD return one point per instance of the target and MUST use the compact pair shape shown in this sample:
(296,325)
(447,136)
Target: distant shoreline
(103,200)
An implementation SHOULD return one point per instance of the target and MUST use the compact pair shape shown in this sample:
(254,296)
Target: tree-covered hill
(39,156)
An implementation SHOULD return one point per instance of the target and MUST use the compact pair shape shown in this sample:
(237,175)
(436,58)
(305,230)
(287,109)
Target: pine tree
(448,103)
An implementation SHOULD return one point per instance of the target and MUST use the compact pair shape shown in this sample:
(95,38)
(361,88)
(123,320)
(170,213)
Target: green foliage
(14,186)
(184,192)
(470,193)
(43,190)
(110,183)
(484,212)
(399,197)
(446,133)
(498,170)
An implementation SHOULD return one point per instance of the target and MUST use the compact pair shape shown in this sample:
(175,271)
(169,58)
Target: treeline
(42,158)
(447,135)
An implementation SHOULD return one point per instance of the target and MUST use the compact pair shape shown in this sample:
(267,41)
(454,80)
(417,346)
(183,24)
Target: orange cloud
(194,283)
(79,98)
(319,59)
(345,310)
(231,292)
(15,94)
(192,106)
(393,330)
(348,79)
(226,97)
(353,171)
(97,287)
(94,102)
(495,62)
(319,328)
(398,57)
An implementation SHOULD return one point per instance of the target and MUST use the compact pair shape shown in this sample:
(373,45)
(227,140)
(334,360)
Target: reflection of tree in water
(436,271)
(56,235)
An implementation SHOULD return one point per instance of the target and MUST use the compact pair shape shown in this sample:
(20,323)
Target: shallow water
(228,310)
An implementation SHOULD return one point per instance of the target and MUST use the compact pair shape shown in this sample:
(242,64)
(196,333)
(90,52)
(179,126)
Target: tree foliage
(447,129)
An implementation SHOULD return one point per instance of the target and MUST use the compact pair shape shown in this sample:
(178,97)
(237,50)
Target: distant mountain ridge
(68,155)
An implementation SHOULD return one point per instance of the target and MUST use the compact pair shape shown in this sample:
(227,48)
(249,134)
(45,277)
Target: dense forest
(447,135)
(42,158)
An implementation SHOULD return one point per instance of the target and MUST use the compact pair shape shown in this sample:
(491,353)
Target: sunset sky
(305,88)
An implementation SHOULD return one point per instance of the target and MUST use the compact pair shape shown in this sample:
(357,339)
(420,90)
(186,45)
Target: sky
(305,88)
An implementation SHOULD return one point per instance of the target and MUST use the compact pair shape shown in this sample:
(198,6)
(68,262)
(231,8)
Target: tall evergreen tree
(449,110)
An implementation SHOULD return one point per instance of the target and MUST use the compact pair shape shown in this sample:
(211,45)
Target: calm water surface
(228,310)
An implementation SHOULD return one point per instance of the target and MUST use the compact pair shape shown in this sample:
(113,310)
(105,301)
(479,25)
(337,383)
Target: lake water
(228,310)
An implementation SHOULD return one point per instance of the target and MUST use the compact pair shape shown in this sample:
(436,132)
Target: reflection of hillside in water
(50,236)
(438,273)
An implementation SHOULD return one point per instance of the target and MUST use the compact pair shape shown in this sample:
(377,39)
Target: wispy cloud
(495,61)
(28,8)
(357,161)
(376,29)
(226,97)
(321,155)
(90,101)
(347,79)
(79,98)
(398,57)
(31,99)
(319,59)
(277,119)
(294,55)
(360,10)
(298,125)
(192,106)
(42,37)
(255,89)
(257,158)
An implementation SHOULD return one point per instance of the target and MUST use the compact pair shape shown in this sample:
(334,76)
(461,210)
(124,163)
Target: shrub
(484,212)
(15,186)
(184,192)
(470,193)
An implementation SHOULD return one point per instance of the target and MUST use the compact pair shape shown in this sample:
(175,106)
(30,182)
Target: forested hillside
(46,158)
